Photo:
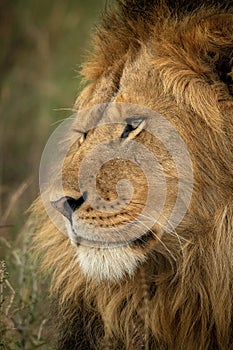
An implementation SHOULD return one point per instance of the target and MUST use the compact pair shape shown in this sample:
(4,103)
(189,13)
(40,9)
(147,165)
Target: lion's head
(161,78)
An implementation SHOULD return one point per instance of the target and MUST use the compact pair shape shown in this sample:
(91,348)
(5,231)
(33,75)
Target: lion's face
(170,87)
(108,245)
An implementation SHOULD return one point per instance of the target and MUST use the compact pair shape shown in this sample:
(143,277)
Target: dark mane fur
(144,8)
(130,23)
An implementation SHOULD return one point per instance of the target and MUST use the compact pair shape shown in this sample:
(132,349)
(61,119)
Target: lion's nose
(67,205)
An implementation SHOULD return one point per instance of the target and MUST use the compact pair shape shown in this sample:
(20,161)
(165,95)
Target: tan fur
(179,295)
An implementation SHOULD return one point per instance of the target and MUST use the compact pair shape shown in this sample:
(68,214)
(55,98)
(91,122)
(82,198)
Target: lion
(165,286)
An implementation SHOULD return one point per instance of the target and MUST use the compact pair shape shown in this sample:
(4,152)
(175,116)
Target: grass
(42,46)
(22,295)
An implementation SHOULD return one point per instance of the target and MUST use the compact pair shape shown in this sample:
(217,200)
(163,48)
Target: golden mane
(181,298)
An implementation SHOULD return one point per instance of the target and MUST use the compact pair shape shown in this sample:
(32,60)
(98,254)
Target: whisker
(173,233)
(149,230)
(66,109)
(117,231)
(139,238)
(61,120)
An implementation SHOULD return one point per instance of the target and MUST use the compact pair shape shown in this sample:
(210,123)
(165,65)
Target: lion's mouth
(137,242)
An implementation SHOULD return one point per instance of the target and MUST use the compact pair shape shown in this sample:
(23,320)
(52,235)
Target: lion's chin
(108,264)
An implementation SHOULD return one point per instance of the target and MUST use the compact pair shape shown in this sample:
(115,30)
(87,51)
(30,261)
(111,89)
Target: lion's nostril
(67,205)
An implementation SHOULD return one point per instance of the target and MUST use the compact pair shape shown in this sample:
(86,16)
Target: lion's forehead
(136,81)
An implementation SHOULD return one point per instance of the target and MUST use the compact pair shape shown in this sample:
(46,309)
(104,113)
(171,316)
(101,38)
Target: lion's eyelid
(132,124)
(82,134)
(135,122)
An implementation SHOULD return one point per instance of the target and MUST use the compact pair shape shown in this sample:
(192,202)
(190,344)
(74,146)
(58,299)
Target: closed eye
(82,134)
(132,124)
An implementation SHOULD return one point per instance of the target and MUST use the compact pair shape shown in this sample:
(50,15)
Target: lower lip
(101,244)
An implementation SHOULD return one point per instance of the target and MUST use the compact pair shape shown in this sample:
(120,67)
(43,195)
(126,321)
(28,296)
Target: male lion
(166,285)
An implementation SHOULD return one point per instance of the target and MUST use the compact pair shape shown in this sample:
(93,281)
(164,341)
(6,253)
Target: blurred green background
(43,44)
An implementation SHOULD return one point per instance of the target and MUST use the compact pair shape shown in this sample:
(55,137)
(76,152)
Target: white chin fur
(112,264)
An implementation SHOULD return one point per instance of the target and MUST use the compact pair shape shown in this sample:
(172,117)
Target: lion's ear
(215,45)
